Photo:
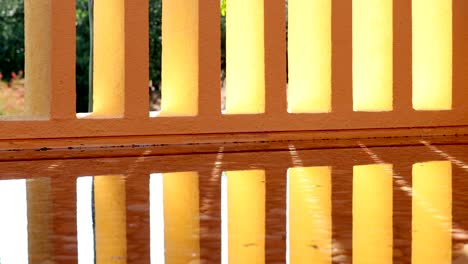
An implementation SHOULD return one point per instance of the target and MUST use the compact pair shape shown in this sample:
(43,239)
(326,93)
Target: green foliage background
(11,37)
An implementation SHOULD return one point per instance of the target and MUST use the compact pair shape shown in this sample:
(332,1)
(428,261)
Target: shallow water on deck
(360,204)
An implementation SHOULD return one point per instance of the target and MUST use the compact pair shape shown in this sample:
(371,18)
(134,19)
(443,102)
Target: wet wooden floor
(368,201)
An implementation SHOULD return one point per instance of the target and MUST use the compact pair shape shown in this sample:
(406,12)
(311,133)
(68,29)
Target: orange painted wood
(402,57)
(63,91)
(136,59)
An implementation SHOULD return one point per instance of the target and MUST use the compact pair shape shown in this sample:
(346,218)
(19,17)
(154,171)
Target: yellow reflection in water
(110,219)
(246,216)
(432,213)
(181,217)
(372,214)
(310,227)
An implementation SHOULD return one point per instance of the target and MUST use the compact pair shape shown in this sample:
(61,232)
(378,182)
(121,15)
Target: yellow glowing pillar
(246,216)
(110,219)
(245,68)
(181,217)
(109,58)
(432,213)
(179,57)
(38,45)
(432,54)
(372,55)
(310,226)
(309,56)
(372,214)
(40,229)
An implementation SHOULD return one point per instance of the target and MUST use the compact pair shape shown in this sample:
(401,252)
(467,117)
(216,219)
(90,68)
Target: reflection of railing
(358,70)
(349,200)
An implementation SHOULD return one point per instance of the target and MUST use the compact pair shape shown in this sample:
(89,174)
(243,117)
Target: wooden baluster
(342,42)
(275,57)
(402,57)
(136,59)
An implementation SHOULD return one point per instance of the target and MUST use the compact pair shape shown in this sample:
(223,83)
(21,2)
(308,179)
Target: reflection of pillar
(246,216)
(402,212)
(275,219)
(64,235)
(372,214)
(39,220)
(432,213)
(181,217)
(210,215)
(138,228)
(110,219)
(342,189)
(310,215)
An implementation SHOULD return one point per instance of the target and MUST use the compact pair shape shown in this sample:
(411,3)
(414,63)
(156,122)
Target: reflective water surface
(360,204)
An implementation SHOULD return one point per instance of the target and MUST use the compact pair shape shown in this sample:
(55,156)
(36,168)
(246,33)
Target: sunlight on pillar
(179,89)
(245,58)
(372,55)
(40,230)
(245,216)
(110,219)
(37,41)
(109,58)
(13,222)
(181,217)
(309,215)
(432,54)
(432,213)
(309,56)
(373,214)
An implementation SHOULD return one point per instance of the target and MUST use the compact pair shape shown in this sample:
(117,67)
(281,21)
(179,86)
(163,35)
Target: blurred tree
(11,37)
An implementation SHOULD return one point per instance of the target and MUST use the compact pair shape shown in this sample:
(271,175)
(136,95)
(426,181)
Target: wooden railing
(352,65)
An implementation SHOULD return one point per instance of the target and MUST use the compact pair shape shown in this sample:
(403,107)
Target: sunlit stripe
(246,216)
(157,219)
(432,54)
(296,160)
(14,222)
(84,218)
(372,55)
(309,56)
(110,219)
(309,215)
(181,217)
(406,187)
(432,241)
(447,156)
(372,214)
